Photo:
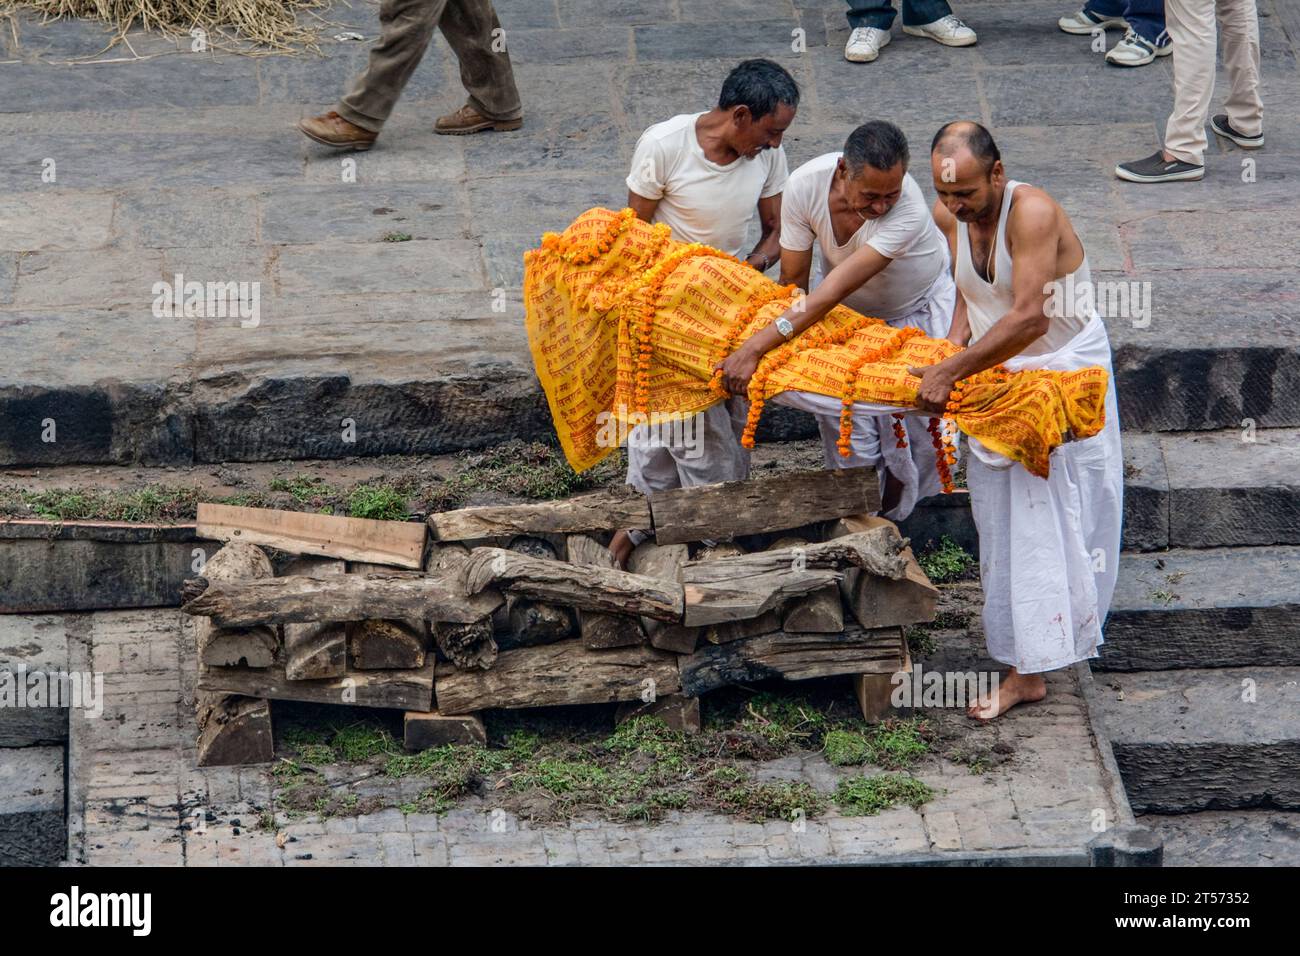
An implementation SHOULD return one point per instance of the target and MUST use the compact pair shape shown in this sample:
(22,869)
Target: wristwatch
(784,326)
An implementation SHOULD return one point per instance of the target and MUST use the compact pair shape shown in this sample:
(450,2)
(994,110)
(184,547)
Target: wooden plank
(387,644)
(396,543)
(786,501)
(792,657)
(563,673)
(881,602)
(818,613)
(873,692)
(598,629)
(316,649)
(401,690)
(424,731)
(559,582)
(467,645)
(599,511)
(351,597)
(665,563)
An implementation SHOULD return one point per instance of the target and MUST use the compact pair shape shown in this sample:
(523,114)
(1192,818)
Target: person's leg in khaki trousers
(1191,25)
(474,33)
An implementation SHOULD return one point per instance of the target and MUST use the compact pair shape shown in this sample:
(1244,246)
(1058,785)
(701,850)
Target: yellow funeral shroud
(626,325)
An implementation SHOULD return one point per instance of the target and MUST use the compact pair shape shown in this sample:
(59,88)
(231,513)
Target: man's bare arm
(768,249)
(644,208)
(796,267)
(1034,239)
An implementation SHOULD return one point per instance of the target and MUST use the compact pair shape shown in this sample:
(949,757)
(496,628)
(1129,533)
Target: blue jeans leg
(917,13)
(1147,20)
(871,13)
(1108,8)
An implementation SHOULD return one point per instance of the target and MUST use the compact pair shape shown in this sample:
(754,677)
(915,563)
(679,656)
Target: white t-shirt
(701,200)
(906,234)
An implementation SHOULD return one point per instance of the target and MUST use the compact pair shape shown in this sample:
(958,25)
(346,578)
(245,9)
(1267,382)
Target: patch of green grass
(521,469)
(895,743)
(361,741)
(772,801)
(152,503)
(920,642)
(382,502)
(947,562)
(397,237)
(305,489)
(845,748)
(867,796)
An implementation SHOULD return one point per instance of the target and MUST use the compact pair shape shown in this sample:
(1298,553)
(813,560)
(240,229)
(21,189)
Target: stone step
(1218,607)
(1205,739)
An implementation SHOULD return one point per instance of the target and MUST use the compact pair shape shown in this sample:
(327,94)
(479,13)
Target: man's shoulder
(1034,211)
(669,128)
(815,167)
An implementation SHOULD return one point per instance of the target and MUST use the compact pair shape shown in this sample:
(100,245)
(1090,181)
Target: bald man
(1049,547)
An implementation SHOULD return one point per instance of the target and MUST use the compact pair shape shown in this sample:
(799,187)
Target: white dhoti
(700,450)
(1049,548)
(873,442)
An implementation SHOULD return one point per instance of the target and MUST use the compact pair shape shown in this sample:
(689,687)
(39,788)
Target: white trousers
(873,442)
(1049,547)
(1192,32)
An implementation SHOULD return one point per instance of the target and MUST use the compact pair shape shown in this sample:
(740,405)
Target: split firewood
(399,690)
(664,563)
(886,601)
(385,643)
(253,645)
(820,612)
(621,508)
(724,510)
(467,645)
(563,673)
(597,628)
(233,730)
(424,731)
(350,597)
(531,622)
(793,657)
(590,588)
(315,649)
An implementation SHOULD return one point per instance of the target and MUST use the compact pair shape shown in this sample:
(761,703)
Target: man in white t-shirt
(881,255)
(706,175)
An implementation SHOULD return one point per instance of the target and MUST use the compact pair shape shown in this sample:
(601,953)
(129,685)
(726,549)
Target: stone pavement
(135,796)
(119,175)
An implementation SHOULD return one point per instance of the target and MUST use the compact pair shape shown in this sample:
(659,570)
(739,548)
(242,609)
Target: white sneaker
(1085,21)
(947,30)
(865,43)
(1133,50)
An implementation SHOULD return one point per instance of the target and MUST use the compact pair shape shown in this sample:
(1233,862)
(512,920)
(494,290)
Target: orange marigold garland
(944,454)
(899,338)
(900,432)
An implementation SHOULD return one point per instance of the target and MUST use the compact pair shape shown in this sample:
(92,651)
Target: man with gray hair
(881,255)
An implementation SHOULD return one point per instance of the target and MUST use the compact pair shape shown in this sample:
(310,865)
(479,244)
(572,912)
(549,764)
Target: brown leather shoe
(333,130)
(469,120)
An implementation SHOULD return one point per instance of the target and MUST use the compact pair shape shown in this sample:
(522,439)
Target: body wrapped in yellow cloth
(625,323)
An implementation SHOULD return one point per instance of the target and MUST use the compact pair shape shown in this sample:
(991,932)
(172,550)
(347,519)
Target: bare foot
(620,548)
(1012,688)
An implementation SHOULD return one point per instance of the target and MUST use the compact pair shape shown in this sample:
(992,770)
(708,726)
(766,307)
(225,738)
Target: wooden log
(664,562)
(467,645)
(590,588)
(747,585)
(563,673)
(753,507)
(396,543)
(424,731)
(679,713)
(255,645)
(385,643)
(600,511)
(818,613)
(352,597)
(532,622)
(401,690)
(883,602)
(729,631)
(233,730)
(792,657)
(315,649)
(875,691)
(596,628)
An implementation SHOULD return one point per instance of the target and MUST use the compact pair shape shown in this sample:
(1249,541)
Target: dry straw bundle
(243,26)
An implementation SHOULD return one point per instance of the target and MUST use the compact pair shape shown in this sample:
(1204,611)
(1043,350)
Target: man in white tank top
(1049,547)
(880,255)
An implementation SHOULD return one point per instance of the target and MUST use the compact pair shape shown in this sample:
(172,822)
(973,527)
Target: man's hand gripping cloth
(625,326)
